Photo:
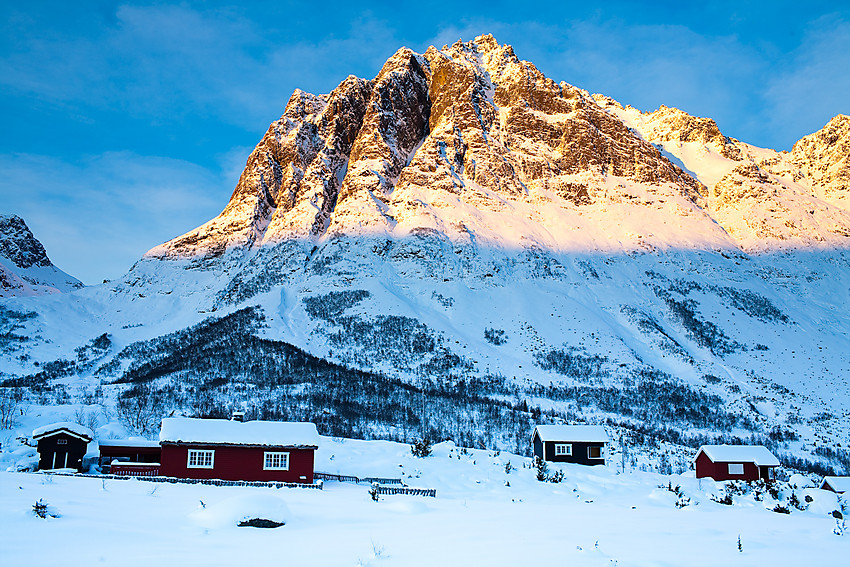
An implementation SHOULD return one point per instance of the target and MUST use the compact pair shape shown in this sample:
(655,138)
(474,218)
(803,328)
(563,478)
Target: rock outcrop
(25,268)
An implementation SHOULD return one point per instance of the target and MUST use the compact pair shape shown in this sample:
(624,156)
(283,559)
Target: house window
(736,468)
(275,461)
(594,452)
(563,449)
(200,459)
(61,441)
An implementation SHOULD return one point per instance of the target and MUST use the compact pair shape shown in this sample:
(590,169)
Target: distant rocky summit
(25,268)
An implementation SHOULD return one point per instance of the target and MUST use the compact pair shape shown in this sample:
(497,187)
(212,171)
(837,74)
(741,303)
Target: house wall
(579,453)
(538,446)
(74,447)
(233,462)
(720,471)
(135,454)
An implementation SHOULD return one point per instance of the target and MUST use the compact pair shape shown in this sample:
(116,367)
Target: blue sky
(126,124)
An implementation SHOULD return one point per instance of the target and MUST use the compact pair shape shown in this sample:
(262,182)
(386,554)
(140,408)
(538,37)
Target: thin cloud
(814,86)
(97,218)
(168,61)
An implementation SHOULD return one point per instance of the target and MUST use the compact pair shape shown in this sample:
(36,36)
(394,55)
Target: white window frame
(61,441)
(200,459)
(563,449)
(276,461)
(601,452)
(739,468)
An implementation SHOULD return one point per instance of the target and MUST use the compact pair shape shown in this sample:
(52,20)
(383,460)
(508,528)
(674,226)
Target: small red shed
(837,484)
(735,462)
(234,450)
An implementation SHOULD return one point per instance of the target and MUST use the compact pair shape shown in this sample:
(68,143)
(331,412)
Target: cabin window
(563,449)
(61,441)
(200,459)
(736,468)
(275,461)
(594,452)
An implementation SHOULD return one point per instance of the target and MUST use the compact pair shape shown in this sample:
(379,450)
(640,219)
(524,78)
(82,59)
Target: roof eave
(245,445)
(85,438)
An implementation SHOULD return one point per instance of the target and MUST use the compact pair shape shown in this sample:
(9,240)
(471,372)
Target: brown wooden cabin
(582,444)
(837,484)
(234,450)
(62,445)
(735,462)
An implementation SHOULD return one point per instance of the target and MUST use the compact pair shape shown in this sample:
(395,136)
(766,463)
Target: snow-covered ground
(482,515)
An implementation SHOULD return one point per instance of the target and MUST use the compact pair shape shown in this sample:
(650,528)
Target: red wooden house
(837,484)
(234,450)
(735,462)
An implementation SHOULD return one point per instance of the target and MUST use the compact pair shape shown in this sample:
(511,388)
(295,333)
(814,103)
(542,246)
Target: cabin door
(60,460)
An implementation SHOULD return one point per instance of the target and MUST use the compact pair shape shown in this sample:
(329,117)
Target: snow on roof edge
(838,483)
(73,428)
(226,432)
(578,433)
(756,454)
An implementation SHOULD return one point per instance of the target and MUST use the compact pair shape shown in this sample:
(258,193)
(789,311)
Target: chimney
(238,416)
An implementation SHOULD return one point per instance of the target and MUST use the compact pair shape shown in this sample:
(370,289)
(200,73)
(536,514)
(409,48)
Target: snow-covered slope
(471,244)
(25,268)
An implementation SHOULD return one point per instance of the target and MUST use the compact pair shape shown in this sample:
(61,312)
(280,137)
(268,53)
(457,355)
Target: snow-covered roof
(756,454)
(577,433)
(69,427)
(226,432)
(838,483)
(136,442)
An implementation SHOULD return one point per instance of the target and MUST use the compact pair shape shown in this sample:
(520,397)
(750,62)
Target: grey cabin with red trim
(582,444)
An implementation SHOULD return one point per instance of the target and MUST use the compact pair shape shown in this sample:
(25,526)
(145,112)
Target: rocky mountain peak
(471,120)
(25,268)
(824,157)
(18,244)
(672,124)
(471,127)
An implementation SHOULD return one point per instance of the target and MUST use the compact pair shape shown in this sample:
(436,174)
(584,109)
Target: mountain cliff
(470,140)
(25,268)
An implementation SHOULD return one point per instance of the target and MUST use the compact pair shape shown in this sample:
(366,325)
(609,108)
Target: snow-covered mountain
(462,247)
(25,269)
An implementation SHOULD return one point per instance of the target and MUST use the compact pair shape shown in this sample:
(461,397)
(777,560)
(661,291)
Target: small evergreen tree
(542,469)
(373,492)
(40,509)
(421,448)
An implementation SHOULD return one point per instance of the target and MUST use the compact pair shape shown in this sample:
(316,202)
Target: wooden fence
(432,492)
(352,478)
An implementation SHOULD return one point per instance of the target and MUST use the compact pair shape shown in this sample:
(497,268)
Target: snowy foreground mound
(486,512)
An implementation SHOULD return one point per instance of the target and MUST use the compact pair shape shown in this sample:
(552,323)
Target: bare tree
(141,408)
(9,409)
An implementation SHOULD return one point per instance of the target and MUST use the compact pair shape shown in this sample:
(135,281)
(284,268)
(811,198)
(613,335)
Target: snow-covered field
(482,515)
